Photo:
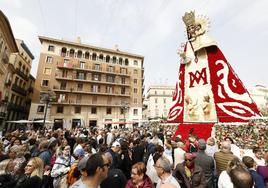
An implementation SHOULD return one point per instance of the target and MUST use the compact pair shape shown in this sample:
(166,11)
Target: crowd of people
(246,136)
(144,157)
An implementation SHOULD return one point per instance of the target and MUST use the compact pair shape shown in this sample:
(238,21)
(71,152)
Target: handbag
(61,182)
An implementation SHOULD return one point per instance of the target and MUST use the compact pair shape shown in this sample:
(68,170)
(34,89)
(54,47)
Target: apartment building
(158,101)
(7,46)
(259,94)
(20,83)
(93,86)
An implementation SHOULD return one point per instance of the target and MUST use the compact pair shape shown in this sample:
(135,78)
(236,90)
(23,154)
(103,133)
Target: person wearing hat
(206,162)
(114,151)
(189,174)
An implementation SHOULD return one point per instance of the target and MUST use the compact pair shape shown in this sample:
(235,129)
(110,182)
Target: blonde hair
(3,166)
(38,167)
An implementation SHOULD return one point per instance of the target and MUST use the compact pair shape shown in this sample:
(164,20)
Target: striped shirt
(222,158)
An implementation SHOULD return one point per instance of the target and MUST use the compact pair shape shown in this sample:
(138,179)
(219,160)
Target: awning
(119,122)
(42,121)
(20,121)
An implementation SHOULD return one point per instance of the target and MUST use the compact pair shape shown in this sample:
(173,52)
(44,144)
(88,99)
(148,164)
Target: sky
(151,28)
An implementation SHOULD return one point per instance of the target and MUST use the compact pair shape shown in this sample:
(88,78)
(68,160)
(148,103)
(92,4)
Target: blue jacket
(258,180)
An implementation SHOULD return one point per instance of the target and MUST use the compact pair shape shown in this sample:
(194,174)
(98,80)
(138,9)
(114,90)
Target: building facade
(20,84)
(158,101)
(7,47)
(259,94)
(92,86)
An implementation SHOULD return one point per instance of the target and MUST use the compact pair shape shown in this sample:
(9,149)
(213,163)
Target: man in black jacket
(116,178)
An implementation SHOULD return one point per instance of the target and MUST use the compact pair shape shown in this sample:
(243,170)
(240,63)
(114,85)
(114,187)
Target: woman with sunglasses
(139,179)
(34,171)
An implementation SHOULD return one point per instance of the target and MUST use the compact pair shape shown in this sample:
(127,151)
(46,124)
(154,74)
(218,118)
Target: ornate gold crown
(189,18)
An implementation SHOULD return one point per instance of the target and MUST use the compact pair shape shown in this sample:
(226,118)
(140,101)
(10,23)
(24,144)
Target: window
(114,59)
(77,109)
(79,87)
(66,62)
(126,62)
(94,56)
(135,112)
(135,90)
(51,48)
(45,83)
(135,71)
(63,85)
(79,54)
(155,92)
(110,69)
(108,110)
(123,90)
(59,109)
(81,76)
(109,89)
(87,55)
(120,61)
(93,110)
(107,59)
(82,65)
(135,62)
(100,57)
(155,100)
(71,54)
(123,80)
(40,108)
(96,77)
(164,92)
(96,67)
(47,71)
(164,101)
(110,79)
(135,81)
(95,88)
(62,98)
(123,71)
(49,59)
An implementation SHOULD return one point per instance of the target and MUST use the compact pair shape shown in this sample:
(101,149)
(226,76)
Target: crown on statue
(189,18)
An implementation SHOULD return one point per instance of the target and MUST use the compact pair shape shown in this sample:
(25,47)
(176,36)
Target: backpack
(73,174)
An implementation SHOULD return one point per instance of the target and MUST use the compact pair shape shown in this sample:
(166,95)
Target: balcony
(88,103)
(65,65)
(68,77)
(93,69)
(91,92)
(21,74)
(5,58)
(19,90)
(17,108)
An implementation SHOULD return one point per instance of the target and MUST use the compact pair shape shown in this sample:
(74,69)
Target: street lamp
(47,98)
(124,107)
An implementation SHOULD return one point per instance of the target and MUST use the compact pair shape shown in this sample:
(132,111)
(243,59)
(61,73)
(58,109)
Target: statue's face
(192,30)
